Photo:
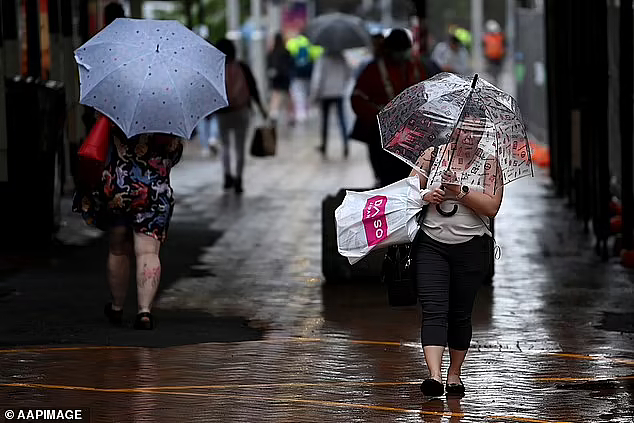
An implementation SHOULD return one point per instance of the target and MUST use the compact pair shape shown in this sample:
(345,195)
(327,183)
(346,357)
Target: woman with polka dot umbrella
(155,80)
(151,76)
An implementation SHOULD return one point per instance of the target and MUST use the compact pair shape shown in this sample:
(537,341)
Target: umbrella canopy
(338,31)
(476,129)
(151,76)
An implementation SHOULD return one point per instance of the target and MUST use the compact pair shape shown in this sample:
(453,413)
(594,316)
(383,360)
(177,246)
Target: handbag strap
(421,215)
(385,78)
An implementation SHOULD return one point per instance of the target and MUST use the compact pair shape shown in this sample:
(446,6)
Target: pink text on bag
(374,220)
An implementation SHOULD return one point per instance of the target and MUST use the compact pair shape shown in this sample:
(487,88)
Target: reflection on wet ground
(338,352)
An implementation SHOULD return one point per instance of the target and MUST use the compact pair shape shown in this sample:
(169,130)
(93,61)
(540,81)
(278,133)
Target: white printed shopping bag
(378,218)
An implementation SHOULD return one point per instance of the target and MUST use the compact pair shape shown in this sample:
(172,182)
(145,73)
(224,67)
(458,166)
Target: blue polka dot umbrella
(151,76)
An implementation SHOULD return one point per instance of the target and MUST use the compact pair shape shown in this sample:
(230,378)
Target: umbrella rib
(136,105)
(180,100)
(112,71)
(188,65)
(96,43)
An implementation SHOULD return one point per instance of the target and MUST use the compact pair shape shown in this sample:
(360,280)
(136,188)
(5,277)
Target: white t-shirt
(461,227)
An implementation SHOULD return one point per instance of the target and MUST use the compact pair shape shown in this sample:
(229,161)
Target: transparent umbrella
(465,126)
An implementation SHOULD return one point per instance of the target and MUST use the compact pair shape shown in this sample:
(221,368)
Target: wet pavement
(248,331)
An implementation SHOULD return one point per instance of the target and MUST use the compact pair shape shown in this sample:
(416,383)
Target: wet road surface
(249,332)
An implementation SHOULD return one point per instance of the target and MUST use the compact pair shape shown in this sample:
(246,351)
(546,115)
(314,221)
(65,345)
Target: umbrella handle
(440,211)
(449,213)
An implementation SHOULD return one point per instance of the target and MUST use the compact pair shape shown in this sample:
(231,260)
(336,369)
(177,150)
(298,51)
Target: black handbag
(264,141)
(398,273)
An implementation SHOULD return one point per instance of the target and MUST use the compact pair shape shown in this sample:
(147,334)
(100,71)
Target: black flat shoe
(455,388)
(144,321)
(432,388)
(115,317)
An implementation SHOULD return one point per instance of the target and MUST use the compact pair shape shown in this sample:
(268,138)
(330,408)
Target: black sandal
(455,388)
(432,388)
(141,324)
(115,317)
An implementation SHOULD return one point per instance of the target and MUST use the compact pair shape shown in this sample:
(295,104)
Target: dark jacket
(279,65)
(253,89)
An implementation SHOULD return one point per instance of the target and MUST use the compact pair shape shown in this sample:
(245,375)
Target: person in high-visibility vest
(304,56)
(463,35)
(494,44)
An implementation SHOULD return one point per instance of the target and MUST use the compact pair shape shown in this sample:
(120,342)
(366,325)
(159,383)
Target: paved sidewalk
(249,332)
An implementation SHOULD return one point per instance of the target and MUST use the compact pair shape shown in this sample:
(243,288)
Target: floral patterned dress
(135,186)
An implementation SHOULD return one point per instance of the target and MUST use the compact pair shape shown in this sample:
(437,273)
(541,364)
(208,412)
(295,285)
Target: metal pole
(627,88)
(510,46)
(258,47)
(367,6)
(386,13)
(71,87)
(233,25)
(4,163)
(136,9)
(275,17)
(11,59)
(57,55)
(33,51)
(476,35)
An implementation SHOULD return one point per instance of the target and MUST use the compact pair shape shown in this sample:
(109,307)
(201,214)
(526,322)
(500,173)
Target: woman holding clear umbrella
(453,253)
(465,139)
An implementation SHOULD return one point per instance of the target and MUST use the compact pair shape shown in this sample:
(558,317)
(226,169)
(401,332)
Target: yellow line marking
(236,386)
(577,356)
(279,399)
(413,345)
(523,419)
(56,349)
(284,385)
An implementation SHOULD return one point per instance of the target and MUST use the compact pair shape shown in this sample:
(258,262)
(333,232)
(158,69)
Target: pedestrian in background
(234,120)
(133,202)
(381,81)
(304,56)
(453,253)
(112,11)
(330,80)
(451,56)
(280,73)
(494,48)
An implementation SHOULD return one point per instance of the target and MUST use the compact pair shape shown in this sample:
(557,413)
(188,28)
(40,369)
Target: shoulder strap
(385,77)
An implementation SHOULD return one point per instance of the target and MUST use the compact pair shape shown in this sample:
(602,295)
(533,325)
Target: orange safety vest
(494,48)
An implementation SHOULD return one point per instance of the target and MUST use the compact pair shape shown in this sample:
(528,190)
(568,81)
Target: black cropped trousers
(448,277)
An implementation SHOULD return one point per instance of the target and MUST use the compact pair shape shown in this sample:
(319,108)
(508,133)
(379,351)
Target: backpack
(303,62)
(494,48)
(237,86)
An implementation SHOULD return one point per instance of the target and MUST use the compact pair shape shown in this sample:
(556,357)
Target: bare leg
(120,245)
(276,101)
(456,359)
(433,358)
(148,270)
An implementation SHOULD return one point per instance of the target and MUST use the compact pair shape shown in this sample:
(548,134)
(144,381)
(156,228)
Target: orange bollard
(627,258)
(616,225)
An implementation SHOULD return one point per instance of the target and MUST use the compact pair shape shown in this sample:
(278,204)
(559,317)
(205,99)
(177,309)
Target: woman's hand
(436,196)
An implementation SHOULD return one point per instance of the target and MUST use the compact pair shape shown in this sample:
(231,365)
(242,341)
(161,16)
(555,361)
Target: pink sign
(374,220)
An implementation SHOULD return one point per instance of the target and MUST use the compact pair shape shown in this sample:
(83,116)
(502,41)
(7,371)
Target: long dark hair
(278,43)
